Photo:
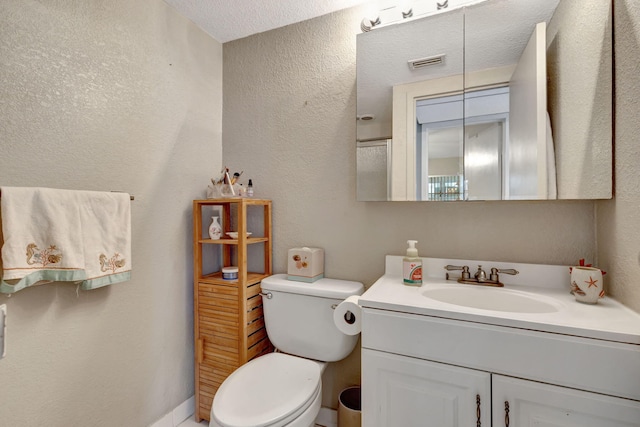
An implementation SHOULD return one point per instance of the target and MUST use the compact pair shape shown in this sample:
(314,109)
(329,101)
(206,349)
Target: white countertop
(607,320)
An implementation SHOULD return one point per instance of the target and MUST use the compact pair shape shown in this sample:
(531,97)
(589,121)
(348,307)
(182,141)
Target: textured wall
(118,95)
(580,84)
(618,219)
(289,123)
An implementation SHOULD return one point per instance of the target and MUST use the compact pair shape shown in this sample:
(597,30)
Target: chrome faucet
(480,276)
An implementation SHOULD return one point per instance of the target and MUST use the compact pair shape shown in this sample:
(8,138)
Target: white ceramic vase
(586,284)
(215,230)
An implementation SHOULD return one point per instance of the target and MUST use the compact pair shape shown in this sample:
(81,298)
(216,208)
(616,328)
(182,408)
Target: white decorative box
(305,264)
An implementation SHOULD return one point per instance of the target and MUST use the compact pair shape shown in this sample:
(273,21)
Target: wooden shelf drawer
(223,291)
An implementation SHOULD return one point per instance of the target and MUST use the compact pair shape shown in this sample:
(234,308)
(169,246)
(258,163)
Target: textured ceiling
(227,20)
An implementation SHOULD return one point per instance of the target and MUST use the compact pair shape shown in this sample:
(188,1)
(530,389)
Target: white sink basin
(496,299)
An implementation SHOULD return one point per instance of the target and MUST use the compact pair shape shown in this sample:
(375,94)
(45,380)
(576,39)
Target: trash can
(349,407)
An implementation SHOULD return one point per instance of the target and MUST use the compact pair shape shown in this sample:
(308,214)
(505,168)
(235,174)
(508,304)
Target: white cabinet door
(518,403)
(404,391)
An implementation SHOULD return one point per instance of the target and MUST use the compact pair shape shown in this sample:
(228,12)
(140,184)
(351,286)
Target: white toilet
(285,388)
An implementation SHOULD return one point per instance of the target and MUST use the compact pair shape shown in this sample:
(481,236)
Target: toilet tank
(299,316)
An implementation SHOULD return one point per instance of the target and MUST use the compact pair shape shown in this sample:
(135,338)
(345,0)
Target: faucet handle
(464,268)
(494,273)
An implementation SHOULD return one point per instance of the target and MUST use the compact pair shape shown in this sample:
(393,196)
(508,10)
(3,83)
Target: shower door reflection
(441,168)
(483,145)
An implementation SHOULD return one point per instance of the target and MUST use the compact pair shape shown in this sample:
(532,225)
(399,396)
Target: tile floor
(191,422)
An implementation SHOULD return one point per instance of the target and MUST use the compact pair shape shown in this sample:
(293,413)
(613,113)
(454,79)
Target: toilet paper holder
(349,317)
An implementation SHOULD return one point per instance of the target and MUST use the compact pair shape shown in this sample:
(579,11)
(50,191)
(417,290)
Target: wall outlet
(3,330)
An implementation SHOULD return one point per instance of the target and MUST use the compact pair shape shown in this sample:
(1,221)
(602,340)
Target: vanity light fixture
(386,16)
(367,24)
(411,9)
(443,5)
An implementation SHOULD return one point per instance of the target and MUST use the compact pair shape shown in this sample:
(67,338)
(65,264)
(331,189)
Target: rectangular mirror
(499,100)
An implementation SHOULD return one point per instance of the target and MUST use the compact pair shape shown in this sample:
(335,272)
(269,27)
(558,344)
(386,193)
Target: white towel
(63,235)
(106,233)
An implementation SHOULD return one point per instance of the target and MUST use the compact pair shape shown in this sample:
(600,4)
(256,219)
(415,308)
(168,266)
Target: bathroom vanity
(450,354)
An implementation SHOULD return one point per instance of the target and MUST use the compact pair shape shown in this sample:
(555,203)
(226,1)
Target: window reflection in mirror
(462,159)
(439,139)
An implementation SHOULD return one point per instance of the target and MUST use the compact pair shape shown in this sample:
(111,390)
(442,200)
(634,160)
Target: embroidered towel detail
(60,235)
(106,235)
(42,241)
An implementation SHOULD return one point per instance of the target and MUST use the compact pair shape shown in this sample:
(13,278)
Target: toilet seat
(270,391)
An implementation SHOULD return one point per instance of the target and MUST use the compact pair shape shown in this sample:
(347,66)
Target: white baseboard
(178,415)
(327,417)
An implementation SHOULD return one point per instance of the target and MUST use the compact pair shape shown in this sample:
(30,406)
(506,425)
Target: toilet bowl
(285,388)
(273,390)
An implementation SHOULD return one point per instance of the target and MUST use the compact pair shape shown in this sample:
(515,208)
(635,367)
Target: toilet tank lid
(326,288)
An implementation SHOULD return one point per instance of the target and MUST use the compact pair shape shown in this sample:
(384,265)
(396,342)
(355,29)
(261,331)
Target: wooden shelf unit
(228,322)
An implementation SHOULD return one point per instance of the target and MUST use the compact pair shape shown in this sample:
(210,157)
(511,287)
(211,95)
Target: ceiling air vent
(414,64)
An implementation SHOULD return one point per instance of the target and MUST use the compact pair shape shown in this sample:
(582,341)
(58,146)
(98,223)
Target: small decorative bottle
(250,189)
(215,230)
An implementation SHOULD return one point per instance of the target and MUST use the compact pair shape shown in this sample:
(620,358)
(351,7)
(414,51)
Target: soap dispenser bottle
(412,266)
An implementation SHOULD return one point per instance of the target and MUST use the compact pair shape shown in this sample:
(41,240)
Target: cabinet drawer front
(218,304)
(519,402)
(544,357)
(218,291)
